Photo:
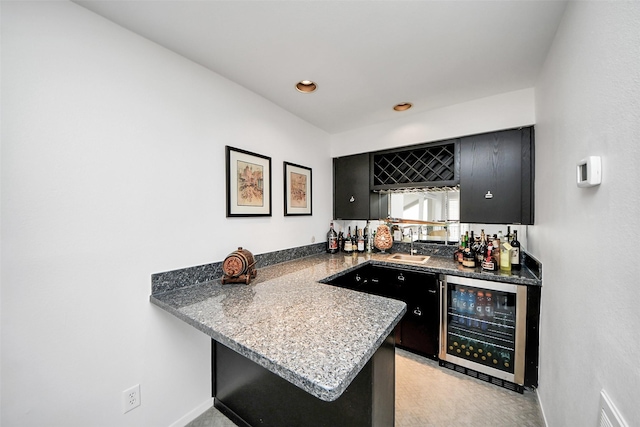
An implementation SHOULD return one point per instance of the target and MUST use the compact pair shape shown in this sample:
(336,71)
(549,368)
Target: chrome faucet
(412,251)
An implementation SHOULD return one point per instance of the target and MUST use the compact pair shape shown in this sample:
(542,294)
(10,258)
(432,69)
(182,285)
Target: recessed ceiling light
(402,106)
(306,86)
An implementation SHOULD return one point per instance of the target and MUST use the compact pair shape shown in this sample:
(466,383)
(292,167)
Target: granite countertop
(446,265)
(314,335)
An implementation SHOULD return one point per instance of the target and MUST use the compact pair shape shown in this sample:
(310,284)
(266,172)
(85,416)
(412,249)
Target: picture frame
(248,183)
(298,195)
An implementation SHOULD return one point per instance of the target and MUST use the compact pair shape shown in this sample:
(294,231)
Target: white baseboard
(544,417)
(193,414)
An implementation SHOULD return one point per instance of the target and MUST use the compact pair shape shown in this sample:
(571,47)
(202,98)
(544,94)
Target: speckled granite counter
(316,336)
(444,265)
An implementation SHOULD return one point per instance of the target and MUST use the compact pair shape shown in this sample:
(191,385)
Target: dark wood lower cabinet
(250,395)
(418,331)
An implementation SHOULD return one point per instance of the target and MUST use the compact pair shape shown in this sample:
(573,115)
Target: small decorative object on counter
(383,239)
(239,267)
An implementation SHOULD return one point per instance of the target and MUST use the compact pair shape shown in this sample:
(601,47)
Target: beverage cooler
(483,328)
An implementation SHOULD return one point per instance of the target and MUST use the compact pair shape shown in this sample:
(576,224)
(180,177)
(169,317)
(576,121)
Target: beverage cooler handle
(443,319)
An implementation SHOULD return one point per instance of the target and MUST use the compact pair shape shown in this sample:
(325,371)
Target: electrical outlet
(131,398)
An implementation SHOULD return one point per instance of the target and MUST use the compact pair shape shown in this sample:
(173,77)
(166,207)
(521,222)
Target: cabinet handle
(352,199)
(358,278)
(375,280)
(433,291)
(488,195)
(400,277)
(417,312)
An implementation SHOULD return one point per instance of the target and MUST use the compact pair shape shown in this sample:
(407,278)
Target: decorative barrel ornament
(239,267)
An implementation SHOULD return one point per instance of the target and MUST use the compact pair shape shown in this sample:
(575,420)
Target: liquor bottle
(496,250)
(341,241)
(505,255)
(360,242)
(490,263)
(515,251)
(508,236)
(354,241)
(332,240)
(482,248)
(461,249)
(469,258)
(348,245)
(365,234)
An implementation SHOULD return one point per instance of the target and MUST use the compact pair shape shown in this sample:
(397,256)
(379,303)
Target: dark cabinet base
(419,329)
(250,395)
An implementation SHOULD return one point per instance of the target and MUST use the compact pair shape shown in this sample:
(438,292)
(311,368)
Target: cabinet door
(496,185)
(421,325)
(352,198)
(351,187)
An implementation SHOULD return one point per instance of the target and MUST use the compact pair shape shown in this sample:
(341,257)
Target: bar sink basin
(416,259)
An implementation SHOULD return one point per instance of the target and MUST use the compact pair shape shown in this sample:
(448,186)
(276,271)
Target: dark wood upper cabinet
(496,177)
(495,172)
(352,196)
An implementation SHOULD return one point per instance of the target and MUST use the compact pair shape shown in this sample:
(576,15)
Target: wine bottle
(515,252)
(496,249)
(360,244)
(348,245)
(482,248)
(332,240)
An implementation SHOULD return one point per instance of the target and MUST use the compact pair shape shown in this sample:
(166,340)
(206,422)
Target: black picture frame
(248,183)
(298,192)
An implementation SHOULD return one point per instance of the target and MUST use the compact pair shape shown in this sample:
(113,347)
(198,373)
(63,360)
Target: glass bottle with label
(505,255)
(360,242)
(515,251)
(332,240)
(471,306)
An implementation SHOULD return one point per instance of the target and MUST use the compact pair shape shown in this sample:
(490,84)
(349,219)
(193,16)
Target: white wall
(113,169)
(503,111)
(588,103)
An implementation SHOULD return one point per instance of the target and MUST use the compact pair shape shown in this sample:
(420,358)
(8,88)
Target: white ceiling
(365,56)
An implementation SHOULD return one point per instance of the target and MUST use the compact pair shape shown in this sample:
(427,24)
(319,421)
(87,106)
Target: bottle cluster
(492,253)
(481,352)
(482,327)
(358,242)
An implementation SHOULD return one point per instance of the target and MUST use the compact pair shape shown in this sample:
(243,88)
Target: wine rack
(425,165)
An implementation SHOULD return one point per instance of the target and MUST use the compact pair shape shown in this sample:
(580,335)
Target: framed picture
(248,183)
(297,189)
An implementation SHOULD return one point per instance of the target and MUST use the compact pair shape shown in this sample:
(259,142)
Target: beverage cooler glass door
(483,326)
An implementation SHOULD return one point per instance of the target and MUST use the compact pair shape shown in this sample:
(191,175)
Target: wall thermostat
(589,172)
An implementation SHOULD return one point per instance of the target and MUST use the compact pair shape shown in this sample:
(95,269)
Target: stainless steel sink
(416,259)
